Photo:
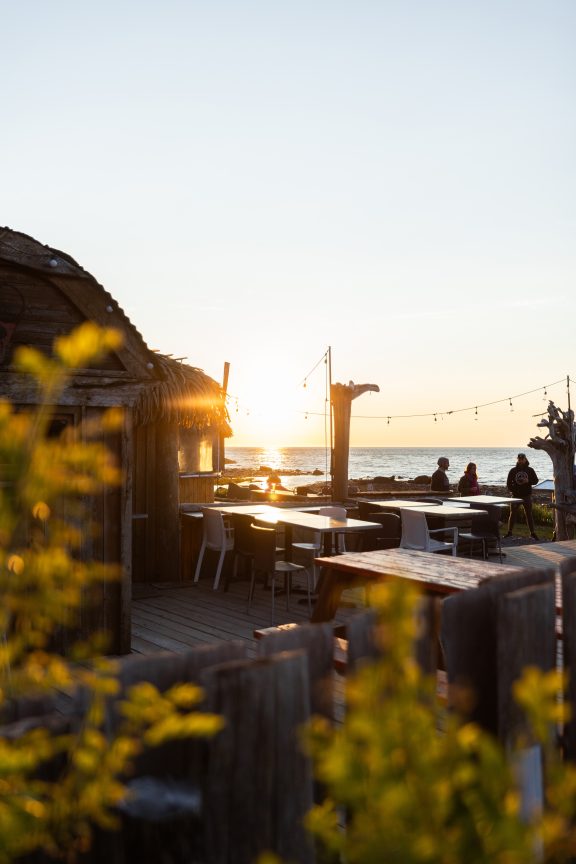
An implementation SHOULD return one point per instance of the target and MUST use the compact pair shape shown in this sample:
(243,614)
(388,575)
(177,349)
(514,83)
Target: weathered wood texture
(165,516)
(469,636)
(258,783)
(199,490)
(317,641)
(341,396)
(569,656)
(525,636)
(559,443)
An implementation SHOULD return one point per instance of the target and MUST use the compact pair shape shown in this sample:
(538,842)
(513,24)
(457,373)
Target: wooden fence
(227,799)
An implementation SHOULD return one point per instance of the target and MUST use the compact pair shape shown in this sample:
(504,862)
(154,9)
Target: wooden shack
(175,418)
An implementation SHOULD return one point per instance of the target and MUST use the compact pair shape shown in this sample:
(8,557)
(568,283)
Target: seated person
(468,483)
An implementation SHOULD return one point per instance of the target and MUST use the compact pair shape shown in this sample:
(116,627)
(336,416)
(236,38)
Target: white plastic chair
(217,535)
(416,534)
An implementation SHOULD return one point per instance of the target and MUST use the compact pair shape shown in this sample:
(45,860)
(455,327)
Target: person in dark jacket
(440,482)
(520,480)
(468,483)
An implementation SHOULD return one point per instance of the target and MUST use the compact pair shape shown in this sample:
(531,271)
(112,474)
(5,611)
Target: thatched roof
(185,395)
(163,388)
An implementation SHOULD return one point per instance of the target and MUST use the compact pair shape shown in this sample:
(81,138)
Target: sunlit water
(403,463)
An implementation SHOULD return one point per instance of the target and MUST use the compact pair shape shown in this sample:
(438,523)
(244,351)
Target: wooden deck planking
(560,554)
(177,616)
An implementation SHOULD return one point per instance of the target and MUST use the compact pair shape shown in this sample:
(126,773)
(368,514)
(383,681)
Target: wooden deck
(560,554)
(177,616)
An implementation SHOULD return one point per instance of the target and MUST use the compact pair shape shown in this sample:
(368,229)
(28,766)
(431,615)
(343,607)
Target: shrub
(44,482)
(408,783)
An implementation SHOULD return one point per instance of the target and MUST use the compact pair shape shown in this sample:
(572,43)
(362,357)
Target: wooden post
(569,655)
(258,782)
(469,641)
(166,503)
(525,636)
(317,640)
(341,396)
(221,456)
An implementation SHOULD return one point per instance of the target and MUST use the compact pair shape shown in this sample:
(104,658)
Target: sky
(257,182)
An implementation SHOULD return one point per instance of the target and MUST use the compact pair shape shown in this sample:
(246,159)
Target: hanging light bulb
(306,416)
(511,406)
(435,418)
(305,384)
(388,421)
(476,413)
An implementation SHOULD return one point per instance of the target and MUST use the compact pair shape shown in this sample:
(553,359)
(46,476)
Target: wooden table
(436,574)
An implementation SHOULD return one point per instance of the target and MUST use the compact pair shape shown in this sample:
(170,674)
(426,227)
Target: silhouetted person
(520,480)
(440,482)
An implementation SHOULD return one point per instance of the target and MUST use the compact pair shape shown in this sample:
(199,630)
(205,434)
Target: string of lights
(323,359)
(420,415)
(474,408)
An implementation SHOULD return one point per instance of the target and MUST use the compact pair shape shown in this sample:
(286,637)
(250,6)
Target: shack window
(197,452)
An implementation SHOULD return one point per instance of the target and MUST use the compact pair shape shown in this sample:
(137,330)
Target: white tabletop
(398,503)
(446,511)
(314,521)
(489,499)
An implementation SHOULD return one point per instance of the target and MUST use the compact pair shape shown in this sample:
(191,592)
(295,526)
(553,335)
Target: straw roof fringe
(185,396)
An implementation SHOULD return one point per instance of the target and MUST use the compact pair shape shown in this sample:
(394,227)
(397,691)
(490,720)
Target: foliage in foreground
(44,482)
(413,784)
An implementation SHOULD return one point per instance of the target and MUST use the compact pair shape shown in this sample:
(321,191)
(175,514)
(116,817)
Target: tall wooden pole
(221,461)
(342,396)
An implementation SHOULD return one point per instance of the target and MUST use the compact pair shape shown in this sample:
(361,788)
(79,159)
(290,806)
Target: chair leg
(199,564)
(219,569)
(251,591)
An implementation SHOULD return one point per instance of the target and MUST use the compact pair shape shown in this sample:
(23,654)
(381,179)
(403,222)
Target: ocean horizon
(403,463)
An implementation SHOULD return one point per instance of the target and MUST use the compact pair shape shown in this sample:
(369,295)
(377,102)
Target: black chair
(267,565)
(484,529)
(388,537)
(243,549)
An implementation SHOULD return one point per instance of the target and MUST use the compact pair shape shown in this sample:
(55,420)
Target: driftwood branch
(559,443)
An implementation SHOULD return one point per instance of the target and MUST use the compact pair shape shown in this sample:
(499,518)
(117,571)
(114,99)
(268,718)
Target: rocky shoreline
(356,486)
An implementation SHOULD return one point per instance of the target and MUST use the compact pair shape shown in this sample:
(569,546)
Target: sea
(403,463)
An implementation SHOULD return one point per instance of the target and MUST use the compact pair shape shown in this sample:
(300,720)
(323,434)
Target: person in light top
(468,483)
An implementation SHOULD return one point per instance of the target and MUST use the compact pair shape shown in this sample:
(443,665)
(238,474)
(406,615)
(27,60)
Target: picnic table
(436,574)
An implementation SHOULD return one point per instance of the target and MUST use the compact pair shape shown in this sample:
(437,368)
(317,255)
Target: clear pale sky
(256,181)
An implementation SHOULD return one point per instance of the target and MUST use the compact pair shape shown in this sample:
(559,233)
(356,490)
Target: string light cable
(441,414)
